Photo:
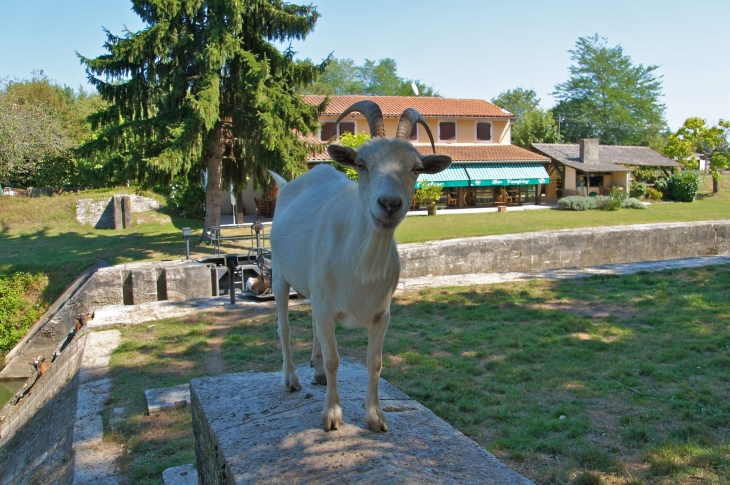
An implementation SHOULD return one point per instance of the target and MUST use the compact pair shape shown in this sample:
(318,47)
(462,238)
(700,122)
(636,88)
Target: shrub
(638,189)
(577,203)
(189,198)
(429,192)
(654,194)
(661,185)
(602,202)
(632,203)
(20,306)
(683,186)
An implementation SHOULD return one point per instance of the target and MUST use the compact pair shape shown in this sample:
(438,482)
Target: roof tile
(428,106)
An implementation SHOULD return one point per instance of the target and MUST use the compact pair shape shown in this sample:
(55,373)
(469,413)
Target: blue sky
(465,48)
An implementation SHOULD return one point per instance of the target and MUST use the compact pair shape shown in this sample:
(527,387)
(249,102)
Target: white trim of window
(456,130)
(338,128)
(491,132)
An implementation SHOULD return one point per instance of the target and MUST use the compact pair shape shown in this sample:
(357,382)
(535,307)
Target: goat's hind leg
(281,294)
(317,362)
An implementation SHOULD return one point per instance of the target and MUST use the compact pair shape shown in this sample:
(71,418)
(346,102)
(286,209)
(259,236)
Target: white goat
(332,240)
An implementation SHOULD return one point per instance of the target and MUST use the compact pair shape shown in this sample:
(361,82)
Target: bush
(661,185)
(601,202)
(429,192)
(632,203)
(638,190)
(654,194)
(577,203)
(683,186)
(20,306)
(189,198)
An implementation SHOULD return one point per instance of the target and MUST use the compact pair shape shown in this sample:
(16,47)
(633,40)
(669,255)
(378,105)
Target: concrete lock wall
(36,435)
(565,248)
(133,284)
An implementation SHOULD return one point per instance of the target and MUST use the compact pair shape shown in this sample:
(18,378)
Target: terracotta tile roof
(469,153)
(611,158)
(426,105)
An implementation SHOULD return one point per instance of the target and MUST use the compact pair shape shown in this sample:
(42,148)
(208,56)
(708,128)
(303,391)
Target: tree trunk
(213,189)
(715,185)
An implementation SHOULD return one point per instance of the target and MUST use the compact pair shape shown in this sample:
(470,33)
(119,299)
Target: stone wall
(36,435)
(566,248)
(99,213)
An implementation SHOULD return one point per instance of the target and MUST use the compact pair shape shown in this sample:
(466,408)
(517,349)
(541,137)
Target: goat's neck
(375,254)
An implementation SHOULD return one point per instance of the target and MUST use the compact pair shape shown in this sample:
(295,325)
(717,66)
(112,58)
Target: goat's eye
(359,165)
(418,167)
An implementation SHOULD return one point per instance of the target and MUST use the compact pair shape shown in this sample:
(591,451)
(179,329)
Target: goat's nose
(390,204)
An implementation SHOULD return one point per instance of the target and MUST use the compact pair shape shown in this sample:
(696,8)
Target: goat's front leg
(376,333)
(281,293)
(325,328)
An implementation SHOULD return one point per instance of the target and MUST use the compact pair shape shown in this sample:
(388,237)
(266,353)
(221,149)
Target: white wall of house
(569,182)
(247,195)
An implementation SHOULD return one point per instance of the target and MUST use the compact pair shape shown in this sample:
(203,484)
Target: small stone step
(249,429)
(180,475)
(167,397)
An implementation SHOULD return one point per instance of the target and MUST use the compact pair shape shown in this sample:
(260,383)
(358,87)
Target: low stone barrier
(110,213)
(567,248)
(249,429)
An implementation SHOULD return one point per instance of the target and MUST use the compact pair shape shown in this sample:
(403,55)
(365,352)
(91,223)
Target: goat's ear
(434,163)
(342,154)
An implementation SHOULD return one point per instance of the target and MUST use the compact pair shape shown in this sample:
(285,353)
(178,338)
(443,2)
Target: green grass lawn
(606,380)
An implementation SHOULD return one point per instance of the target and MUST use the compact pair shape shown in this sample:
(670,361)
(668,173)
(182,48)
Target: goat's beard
(375,256)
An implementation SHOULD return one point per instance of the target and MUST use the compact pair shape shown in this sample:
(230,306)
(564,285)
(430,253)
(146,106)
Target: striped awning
(453,176)
(491,174)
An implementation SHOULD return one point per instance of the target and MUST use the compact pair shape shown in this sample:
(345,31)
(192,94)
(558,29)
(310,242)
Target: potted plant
(428,194)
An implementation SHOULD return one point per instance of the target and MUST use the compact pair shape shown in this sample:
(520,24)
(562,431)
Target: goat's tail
(279,179)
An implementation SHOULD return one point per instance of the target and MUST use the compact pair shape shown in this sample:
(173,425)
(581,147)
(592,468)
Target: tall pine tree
(202,86)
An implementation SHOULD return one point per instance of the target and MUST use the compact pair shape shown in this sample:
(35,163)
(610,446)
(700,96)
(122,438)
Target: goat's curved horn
(405,125)
(372,113)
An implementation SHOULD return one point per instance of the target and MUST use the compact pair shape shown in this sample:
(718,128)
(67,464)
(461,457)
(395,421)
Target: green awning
(453,176)
(493,174)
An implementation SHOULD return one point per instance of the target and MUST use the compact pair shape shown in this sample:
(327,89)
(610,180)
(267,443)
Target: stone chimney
(588,150)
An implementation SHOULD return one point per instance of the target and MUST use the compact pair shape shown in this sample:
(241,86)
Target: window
(414,133)
(484,132)
(326,133)
(447,131)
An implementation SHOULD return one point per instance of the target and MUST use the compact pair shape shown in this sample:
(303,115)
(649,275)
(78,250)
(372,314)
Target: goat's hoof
(332,418)
(320,379)
(291,382)
(376,420)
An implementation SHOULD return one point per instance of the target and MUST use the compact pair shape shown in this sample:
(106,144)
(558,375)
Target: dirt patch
(594,310)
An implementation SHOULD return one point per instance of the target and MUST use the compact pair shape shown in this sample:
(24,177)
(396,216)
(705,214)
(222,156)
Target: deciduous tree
(203,86)
(518,101)
(695,138)
(535,126)
(609,97)
(372,79)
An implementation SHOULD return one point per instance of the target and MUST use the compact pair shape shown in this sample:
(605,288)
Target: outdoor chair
(508,199)
(450,201)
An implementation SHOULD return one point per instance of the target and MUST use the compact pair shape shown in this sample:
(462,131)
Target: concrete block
(187,280)
(118,212)
(103,288)
(144,284)
(180,475)
(167,397)
(248,429)
(126,212)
